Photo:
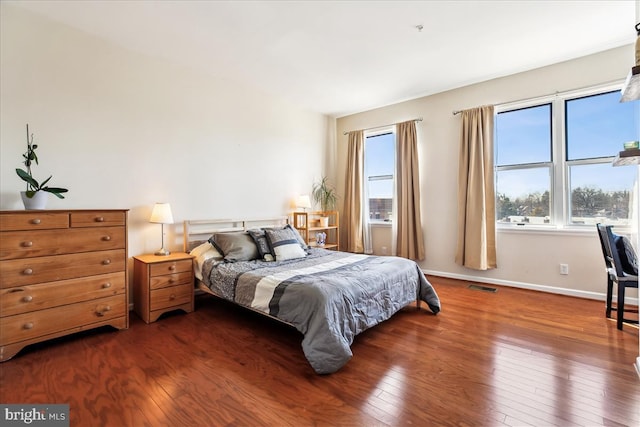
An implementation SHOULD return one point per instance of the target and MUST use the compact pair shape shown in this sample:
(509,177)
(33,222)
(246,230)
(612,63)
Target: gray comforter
(330,297)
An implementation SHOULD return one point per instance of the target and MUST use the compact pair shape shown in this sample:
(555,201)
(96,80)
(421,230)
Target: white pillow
(202,253)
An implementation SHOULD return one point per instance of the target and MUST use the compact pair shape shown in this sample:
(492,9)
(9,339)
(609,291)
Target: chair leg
(609,294)
(620,308)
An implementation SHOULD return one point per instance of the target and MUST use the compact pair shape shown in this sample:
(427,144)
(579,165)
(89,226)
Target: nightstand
(162,284)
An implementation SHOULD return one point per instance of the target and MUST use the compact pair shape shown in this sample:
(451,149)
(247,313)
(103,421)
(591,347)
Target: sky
(597,126)
(379,159)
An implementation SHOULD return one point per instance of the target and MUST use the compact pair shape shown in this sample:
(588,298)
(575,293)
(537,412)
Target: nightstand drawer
(158,282)
(171,267)
(168,297)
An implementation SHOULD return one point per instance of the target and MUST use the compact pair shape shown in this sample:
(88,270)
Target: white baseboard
(532,286)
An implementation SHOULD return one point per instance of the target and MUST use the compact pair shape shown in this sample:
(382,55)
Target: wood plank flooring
(514,357)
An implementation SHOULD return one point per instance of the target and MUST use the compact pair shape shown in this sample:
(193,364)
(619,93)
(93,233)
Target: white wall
(524,259)
(122,130)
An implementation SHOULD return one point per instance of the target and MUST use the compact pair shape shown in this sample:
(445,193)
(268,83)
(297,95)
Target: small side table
(162,284)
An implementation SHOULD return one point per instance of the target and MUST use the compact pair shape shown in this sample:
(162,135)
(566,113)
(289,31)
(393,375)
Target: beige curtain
(476,194)
(409,239)
(354,193)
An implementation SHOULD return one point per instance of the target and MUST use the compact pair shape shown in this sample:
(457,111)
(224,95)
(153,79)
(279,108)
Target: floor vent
(482,288)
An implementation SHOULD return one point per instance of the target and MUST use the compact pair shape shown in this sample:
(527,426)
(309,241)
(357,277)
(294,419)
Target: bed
(329,296)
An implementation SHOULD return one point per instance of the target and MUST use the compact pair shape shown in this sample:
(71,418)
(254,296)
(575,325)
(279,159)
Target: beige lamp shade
(161,214)
(303,201)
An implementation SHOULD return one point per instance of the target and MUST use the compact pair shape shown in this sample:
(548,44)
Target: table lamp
(161,214)
(303,202)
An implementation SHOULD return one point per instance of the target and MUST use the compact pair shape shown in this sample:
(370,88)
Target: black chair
(616,274)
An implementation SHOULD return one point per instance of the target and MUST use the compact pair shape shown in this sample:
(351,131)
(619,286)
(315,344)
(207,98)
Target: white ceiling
(342,57)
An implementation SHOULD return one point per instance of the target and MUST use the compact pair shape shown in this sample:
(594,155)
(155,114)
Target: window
(553,160)
(524,165)
(379,167)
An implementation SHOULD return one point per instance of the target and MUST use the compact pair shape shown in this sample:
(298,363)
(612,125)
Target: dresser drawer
(20,272)
(46,295)
(97,218)
(24,244)
(168,297)
(31,325)
(170,267)
(34,221)
(158,282)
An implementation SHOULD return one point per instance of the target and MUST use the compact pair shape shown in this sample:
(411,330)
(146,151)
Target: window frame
(550,165)
(559,191)
(373,133)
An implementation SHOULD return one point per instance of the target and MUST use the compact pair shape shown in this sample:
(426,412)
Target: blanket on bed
(329,296)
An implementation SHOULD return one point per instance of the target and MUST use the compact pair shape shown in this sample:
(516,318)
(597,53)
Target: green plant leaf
(45,181)
(28,179)
(56,191)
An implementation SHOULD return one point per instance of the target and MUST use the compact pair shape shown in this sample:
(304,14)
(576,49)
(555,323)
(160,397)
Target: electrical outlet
(564,268)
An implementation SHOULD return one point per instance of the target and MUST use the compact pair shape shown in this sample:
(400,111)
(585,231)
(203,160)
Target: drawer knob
(106,262)
(171,281)
(27,298)
(106,238)
(101,313)
(172,297)
(27,325)
(27,271)
(35,221)
(26,244)
(106,285)
(99,219)
(172,267)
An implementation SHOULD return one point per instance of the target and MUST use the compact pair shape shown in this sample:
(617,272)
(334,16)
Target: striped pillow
(284,244)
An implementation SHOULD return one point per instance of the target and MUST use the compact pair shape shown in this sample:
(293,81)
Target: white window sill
(554,230)
(383,224)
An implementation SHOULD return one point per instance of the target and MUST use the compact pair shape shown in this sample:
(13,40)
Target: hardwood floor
(513,357)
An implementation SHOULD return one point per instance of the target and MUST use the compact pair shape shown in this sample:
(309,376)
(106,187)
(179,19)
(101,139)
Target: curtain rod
(419,119)
(603,86)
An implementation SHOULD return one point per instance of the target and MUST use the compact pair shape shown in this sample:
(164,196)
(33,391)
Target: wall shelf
(627,158)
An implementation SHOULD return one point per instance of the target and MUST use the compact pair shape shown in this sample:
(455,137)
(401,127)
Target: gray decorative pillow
(298,236)
(260,238)
(284,244)
(235,246)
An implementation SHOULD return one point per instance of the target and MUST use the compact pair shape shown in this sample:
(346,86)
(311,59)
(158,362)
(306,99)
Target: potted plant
(324,195)
(35,197)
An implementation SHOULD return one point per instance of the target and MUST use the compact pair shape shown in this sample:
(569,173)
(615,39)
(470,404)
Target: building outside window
(379,167)
(553,160)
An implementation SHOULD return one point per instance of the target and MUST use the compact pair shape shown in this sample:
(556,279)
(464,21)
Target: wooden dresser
(61,272)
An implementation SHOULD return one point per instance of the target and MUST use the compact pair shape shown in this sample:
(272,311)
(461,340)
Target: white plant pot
(38,201)
(324,221)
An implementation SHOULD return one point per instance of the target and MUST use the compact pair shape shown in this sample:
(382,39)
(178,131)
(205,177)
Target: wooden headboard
(198,231)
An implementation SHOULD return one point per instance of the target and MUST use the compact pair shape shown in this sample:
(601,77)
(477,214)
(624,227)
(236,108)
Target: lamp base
(163,252)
